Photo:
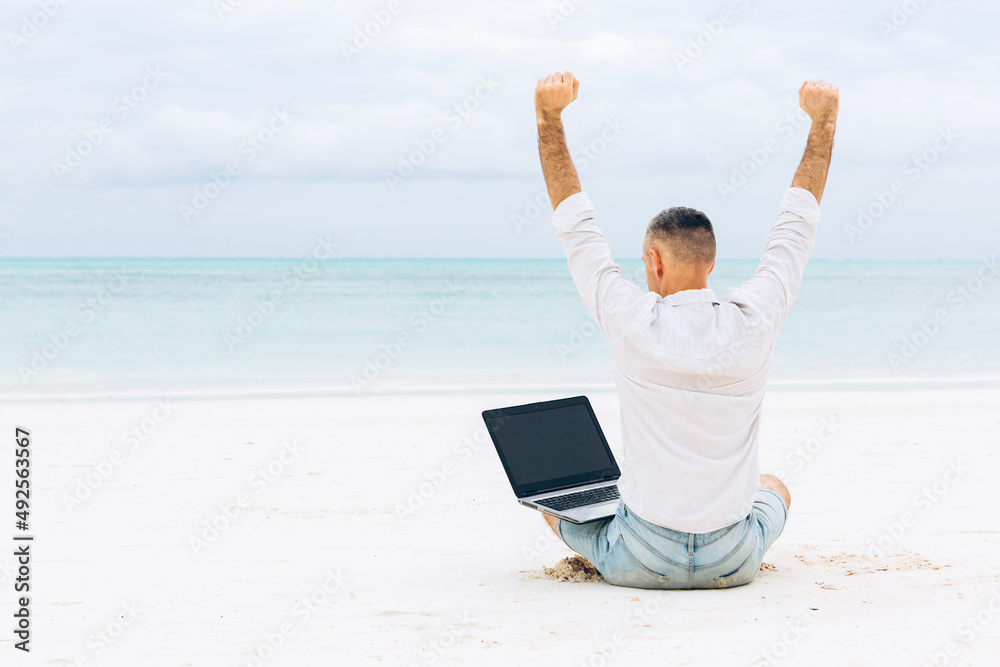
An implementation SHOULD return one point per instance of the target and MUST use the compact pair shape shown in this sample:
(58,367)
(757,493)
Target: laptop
(557,458)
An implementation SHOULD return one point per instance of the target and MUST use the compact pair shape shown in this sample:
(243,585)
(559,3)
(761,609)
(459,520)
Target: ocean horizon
(204,326)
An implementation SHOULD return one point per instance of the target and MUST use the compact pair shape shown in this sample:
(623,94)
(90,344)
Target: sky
(405,128)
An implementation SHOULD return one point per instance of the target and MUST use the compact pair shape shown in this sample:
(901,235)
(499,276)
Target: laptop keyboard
(581,498)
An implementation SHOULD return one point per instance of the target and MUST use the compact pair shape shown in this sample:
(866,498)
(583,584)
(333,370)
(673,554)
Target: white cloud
(353,120)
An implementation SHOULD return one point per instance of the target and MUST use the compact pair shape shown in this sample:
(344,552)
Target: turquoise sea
(375,325)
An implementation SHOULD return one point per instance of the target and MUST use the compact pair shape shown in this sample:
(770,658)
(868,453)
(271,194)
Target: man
(690,367)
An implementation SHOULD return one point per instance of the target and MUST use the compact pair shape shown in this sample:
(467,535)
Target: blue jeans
(629,551)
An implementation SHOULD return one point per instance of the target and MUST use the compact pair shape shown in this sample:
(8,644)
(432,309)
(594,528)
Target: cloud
(357,118)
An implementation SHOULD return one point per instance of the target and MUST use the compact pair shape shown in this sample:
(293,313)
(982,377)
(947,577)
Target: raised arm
(553,94)
(769,294)
(613,300)
(821,101)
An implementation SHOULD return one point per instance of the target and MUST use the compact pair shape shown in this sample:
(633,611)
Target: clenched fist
(820,100)
(554,93)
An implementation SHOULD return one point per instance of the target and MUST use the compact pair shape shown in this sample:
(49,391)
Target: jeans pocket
(744,574)
(621,568)
(661,578)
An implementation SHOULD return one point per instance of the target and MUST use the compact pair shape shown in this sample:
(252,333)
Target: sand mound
(574,569)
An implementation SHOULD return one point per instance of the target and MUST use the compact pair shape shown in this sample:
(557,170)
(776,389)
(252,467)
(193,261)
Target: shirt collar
(691,296)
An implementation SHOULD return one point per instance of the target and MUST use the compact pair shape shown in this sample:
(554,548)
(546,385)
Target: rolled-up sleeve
(610,297)
(791,239)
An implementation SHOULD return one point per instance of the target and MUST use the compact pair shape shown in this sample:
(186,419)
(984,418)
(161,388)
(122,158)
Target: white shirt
(690,368)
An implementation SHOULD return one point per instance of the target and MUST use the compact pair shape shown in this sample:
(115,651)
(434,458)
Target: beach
(278,462)
(380,529)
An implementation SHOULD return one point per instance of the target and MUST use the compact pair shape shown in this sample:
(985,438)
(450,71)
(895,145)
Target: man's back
(690,368)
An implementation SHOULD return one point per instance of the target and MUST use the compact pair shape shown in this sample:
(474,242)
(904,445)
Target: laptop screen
(550,445)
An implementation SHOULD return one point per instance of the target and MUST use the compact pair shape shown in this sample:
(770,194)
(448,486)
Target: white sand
(459,581)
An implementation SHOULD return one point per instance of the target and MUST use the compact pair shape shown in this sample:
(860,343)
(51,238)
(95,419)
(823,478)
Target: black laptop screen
(550,445)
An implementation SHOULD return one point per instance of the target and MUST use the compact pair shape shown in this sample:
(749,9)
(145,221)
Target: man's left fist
(554,93)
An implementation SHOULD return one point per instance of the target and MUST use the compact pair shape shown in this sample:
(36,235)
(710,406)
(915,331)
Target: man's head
(679,251)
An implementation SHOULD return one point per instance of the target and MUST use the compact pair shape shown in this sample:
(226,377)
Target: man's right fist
(820,100)
(554,93)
